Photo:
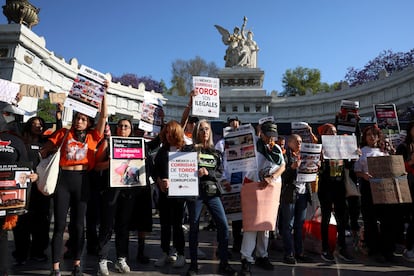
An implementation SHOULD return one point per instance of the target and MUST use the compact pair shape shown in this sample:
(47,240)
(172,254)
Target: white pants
(251,240)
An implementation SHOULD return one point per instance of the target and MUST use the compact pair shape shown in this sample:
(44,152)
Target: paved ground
(209,266)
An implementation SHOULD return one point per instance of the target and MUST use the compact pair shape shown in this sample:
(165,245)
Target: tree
(183,71)
(301,81)
(134,81)
(46,110)
(386,60)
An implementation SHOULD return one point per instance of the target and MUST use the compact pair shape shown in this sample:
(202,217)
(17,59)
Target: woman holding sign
(171,209)
(378,241)
(72,189)
(209,172)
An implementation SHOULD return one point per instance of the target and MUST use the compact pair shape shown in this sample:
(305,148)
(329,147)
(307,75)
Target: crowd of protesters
(84,189)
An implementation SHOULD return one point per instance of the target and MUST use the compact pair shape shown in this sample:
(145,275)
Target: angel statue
(241,50)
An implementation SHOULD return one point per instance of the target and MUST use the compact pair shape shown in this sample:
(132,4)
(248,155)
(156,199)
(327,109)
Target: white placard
(206,103)
(183,174)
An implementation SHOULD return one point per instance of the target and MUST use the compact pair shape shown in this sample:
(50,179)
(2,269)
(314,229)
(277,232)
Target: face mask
(8,118)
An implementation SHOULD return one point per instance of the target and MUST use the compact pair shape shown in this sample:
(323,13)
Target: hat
(269,129)
(232,118)
(6,107)
(193,119)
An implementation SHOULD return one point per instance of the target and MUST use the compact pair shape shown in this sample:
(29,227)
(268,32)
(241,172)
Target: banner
(303,130)
(206,103)
(183,174)
(127,163)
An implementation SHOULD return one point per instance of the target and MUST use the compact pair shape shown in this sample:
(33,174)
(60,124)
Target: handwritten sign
(183,174)
(339,147)
(32,91)
(390,190)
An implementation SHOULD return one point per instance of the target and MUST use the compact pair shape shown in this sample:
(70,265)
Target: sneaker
(327,257)
(55,272)
(289,259)
(303,258)
(173,257)
(179,262)
(245,268)
(264,263)
(76,271)
(408,255)
(226,269)
(121,265)
(103,267)
(162,261)
(344,255)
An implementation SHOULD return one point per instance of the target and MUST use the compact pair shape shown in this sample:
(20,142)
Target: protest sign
(310,155)
(303,130)
(207,100)
(87,92)
(347,118)
(387,120)
(389,184)
(151,119)
(8,91)
(239,157)
(260,206)
(183,174)
(15,187)
(56,98)
(339,147)
(127,162)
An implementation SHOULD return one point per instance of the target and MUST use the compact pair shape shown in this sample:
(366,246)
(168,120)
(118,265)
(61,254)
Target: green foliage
(301,81)
(46,110)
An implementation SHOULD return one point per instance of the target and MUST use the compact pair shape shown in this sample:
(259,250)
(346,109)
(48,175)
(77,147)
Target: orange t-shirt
(74,152)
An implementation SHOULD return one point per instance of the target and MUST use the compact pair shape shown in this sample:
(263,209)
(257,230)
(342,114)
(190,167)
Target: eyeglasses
(205,129)
(124,126)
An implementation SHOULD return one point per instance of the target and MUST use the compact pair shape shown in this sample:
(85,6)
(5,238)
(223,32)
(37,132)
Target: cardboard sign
(33,91)
(56,98)
(386,166)
(390,190)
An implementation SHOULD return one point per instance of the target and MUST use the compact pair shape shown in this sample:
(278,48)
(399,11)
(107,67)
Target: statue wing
(225,35)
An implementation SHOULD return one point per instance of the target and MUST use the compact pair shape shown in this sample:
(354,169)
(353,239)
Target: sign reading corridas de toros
(206,103)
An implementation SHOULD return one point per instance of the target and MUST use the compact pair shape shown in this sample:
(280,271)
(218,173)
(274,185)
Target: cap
(269,129)
(232,118)
(6,107)
(193,119)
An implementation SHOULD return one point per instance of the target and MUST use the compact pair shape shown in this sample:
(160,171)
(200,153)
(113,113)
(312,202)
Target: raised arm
(100,126)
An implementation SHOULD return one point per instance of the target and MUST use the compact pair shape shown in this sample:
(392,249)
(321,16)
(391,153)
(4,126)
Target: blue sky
(146,37)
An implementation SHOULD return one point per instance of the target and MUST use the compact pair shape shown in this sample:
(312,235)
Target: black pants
(332,193)
(171,215)
(72,191)
(116,209)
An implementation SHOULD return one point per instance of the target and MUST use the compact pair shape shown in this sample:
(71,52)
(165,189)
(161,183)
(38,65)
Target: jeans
(216,210)
(293,217)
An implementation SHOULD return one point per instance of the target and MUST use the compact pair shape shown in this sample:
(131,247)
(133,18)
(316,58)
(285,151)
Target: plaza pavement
(362,265)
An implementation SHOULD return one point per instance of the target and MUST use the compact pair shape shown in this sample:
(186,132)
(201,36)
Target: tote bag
(48,171)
